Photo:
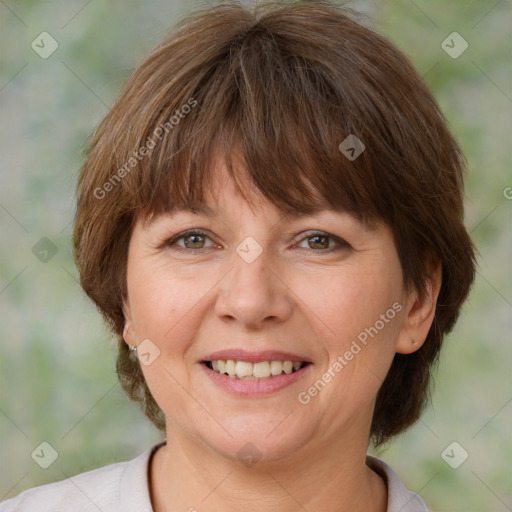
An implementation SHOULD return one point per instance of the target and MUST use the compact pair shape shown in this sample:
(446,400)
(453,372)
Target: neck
(188,476)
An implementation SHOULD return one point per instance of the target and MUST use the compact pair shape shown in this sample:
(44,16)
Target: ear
(419,314)
(128,332)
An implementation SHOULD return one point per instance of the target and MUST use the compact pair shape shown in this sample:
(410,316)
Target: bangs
(274,119)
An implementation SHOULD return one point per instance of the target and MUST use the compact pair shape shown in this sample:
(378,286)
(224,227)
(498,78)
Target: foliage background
(56,359)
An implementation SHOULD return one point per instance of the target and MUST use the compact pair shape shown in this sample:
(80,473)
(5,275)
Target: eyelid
(194,231)
(339,242)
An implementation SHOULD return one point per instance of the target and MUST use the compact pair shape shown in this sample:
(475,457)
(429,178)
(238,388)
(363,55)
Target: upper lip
(254,357)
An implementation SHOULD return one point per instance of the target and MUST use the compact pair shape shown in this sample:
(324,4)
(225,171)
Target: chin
(258,441)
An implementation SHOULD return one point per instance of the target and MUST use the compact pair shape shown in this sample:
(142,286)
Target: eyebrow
(195,208)
(208,212)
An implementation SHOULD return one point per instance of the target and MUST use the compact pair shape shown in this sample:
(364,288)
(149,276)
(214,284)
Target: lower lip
(254,387)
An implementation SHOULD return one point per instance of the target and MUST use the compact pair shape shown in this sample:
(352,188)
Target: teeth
(230,367)
(260,370)
(276,367)
(243,369)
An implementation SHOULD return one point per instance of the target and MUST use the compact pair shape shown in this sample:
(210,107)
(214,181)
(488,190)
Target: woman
(270,220)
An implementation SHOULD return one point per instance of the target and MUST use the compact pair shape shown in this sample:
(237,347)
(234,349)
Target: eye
(321,242)
(193,239)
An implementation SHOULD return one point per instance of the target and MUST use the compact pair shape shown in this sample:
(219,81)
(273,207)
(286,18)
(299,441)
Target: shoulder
(399,498)
(107,488)
(82,490)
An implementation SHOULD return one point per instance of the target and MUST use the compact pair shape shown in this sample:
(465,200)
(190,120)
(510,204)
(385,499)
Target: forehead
(214,211)
(222,194)
(219,191)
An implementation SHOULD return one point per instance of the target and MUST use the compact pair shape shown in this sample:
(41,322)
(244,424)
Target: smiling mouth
(254,371)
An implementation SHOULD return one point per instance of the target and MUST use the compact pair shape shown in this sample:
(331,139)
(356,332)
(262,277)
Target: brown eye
(195,241)
(192,240)
(320,242)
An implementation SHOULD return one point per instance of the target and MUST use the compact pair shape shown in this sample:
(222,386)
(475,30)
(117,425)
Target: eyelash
(341,244)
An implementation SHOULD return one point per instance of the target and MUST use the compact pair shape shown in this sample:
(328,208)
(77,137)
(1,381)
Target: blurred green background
(57,361)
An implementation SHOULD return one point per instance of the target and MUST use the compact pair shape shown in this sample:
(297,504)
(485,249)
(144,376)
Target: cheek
(357,317)
(159,300)
(349,300)
(165,310)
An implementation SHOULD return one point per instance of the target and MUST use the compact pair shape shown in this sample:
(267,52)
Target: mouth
(261,370)
(250,374)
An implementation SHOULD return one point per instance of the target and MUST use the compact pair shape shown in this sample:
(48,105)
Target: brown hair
(284,83)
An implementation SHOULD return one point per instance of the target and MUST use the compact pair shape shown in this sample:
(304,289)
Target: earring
(132,348)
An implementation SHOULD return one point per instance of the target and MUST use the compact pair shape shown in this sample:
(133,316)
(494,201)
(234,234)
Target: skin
(294,297)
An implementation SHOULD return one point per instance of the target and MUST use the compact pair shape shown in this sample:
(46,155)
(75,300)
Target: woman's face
(261,288)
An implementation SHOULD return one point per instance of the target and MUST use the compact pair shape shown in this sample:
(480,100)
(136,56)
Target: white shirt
(123,487)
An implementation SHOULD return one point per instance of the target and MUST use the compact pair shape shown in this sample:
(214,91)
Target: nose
(254,293)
